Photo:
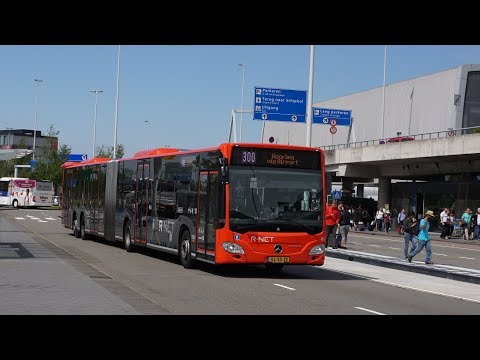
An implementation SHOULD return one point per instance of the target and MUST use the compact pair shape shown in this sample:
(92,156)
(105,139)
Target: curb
(444,271)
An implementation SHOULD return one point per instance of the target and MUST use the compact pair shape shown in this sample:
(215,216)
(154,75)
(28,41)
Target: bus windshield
(266,199)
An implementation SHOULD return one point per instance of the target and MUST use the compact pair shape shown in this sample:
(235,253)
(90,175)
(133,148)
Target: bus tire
(83,234)
(76,230)
(127,237)
(185,250)
(15,203)
(274,268)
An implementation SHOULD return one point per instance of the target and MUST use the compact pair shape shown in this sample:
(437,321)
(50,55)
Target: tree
(7,167)
(49,166)
(107,151)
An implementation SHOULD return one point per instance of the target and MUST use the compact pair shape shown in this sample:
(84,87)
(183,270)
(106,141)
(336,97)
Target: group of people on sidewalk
(337,225)
(469,224)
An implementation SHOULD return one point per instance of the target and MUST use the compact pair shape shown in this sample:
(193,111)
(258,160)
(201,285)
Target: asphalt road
(150,282)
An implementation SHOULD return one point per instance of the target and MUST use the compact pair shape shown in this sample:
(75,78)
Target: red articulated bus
(237,203)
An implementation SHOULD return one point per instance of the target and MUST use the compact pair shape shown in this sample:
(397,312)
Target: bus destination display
(276,158)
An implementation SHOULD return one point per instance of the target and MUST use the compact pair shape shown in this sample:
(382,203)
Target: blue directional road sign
(77,157)
(325,117)
(336,194)
(279,105)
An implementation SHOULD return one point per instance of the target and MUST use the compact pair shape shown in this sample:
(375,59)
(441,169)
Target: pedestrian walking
(444,221)
(400,219)
(344,223)
(465,223)
(476,221)
(423,239)
(409,226)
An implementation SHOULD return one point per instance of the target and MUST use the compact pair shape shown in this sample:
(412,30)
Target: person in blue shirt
(466,218)
(423,239)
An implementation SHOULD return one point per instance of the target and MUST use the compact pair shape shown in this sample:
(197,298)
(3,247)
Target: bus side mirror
(224,169)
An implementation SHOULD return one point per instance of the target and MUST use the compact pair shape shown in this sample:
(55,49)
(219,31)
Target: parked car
(400,138)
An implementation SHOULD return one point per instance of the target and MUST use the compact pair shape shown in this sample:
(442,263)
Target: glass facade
(471,109)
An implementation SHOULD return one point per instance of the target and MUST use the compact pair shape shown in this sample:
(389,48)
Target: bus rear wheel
(186,250)
(127,237)
(15,203)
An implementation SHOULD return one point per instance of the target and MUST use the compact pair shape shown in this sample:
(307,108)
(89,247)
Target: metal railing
(424,136)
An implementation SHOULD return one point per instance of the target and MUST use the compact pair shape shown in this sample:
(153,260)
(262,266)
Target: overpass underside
(422,159)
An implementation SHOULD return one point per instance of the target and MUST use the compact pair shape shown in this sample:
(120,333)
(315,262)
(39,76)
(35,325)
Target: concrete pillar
(347,187)
(384,192)
(360,192)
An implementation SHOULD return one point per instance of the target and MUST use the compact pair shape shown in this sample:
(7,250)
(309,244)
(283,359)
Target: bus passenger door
(142,201)
(206,216)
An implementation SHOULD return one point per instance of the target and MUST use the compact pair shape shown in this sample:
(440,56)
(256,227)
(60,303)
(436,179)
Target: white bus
(26,192)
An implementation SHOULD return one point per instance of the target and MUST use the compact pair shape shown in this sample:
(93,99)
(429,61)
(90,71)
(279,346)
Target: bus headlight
(317,250)
(233,248)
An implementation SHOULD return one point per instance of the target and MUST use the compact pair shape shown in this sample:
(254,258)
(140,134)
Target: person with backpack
(409,226)
(423,239)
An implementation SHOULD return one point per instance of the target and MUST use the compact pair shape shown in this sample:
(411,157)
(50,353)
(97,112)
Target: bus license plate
(278,259)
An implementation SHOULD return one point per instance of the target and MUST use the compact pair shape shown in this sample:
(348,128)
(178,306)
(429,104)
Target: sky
(182,95)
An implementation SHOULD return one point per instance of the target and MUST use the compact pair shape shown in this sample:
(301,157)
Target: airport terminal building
(428,104)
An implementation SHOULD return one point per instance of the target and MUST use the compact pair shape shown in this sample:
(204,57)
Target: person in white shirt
(476,225)
(379,219)
(444,217)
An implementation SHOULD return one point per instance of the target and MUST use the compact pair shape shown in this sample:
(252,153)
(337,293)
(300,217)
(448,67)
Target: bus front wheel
(185,250)
(15,203)
(127,237)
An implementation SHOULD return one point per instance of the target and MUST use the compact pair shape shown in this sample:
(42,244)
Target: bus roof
(98,160)
(166,151)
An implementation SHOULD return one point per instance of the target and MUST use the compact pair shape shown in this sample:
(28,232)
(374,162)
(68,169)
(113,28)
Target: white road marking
(30,216)
(34,218)
(19,218)
(41,220)
(368,310)
(283,286)
(439,254)
(393,248)
(464,257)
(49,218)
(406,287)
(374,245)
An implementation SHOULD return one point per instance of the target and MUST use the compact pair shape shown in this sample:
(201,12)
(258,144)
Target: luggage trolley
(457,230)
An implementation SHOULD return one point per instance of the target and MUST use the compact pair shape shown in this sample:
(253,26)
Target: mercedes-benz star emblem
(278,248)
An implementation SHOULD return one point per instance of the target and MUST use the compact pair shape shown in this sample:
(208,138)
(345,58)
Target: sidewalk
(440,270)
(433,236)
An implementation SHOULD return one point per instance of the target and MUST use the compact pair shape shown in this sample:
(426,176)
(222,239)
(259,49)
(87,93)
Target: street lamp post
(383,96)
(241,105)
(38,81)
(146,133)
(95,121)
(116,106)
